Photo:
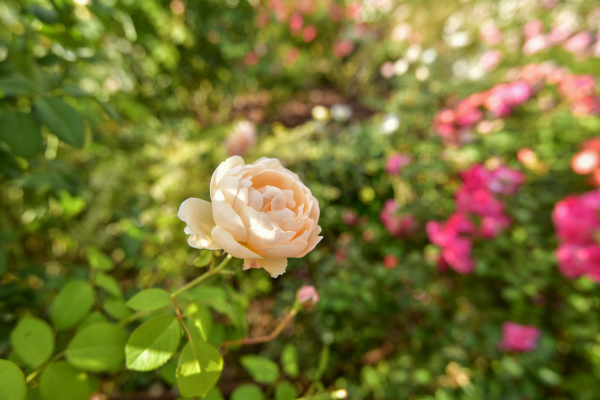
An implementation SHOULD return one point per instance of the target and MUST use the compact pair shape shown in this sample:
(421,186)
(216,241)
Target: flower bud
(307,296)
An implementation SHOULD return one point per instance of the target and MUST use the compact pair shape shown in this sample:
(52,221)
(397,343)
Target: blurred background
(112,112)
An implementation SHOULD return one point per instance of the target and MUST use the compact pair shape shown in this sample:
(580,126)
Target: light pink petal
(197,214)
(223,168)
(227,218)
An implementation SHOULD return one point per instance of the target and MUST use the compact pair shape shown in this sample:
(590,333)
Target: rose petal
(312,242)
(229,244)
(227,218)
(274,266)
(197,214)
(259,238)
(223,169)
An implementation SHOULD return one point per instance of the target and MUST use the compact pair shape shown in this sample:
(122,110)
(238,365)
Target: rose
(260,212)
(307,296)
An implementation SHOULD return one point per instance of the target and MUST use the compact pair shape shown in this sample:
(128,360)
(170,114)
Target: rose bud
(307,296)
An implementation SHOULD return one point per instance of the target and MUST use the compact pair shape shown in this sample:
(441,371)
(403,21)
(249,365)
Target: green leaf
(33,341)
(109,284)
(74,91)
(200,321)
(94,317)
(247,391)
(111,112)
(153,343)
(150,299)
(217,335)
(289,360)
(99,260)
(72,205)
(60,381)
(116,308)
(285,391)
(17,86)
(204,258)
(12,381)
(21,132)
(62,120)
(97,348)
(200,366)
(72,304)
(46,15)
(214,394)
(261,369)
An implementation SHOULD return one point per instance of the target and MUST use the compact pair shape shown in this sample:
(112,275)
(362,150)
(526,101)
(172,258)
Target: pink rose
(491,226)
(396,224)
(296,23)
(578,43)
(307,296)
(490,59)
(343,48)
(533,28)
(521,338)
(309,33)
(457,254)
(505,180)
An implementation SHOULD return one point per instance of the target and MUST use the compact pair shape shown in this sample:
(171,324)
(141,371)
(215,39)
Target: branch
(266,338)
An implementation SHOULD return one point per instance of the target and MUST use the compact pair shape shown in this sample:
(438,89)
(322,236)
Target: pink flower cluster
(521,338)
(454,124)
(478,200)
(582,43)
(396,224)
(577,223)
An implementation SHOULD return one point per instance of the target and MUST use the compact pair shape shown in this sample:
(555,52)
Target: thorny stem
(266,338)
(182,289)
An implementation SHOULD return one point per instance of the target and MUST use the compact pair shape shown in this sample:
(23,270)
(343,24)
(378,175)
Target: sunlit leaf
(289,360)
(99,260)
(199,368)
(153,343)
(97,347)
(285,391)
(247,391)
(116,308)
(200,321)
(109,284)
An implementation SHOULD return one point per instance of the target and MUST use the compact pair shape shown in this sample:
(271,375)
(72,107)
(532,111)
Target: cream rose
(260,212)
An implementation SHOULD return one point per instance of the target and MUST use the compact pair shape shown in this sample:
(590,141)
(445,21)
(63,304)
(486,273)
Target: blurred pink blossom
(521,338)
(536,44)
(242,138)
(349,216)
(251,58)
(559,34)
(579,43)
(490,59)
(396,224)
(309,33)
(396,162)
(387,69)
(533,28)
(390,261)
(491,35)
(343,48)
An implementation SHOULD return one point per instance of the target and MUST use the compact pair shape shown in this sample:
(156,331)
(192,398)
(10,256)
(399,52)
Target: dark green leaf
(21,132)
(74,91)
(60,381)
(33,341)
(150,299)
(72,304)
(261,369)
(46,15)
(62,120)
(3,261)
(199,368)
(247,391)
(97,347)
(12,382)
(153,343)
(167,372)
(17,85)
(111,112)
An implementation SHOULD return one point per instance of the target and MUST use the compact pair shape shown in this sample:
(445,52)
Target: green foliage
(62,120)
(72,304)
(261,369)
(289,360)
(247,391)
(33,341)
(285,391)
(97,348)
(21,132)
(60,381)
(199,368)
(99,260)
(109,284)
(12,382)
(200,321)
(150,299)
(153,343)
